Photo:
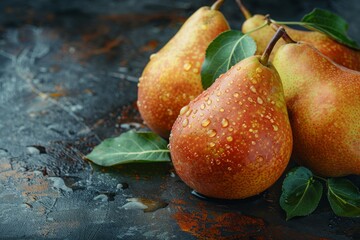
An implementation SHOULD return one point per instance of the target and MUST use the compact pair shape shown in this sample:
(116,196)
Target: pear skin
(234,140)
(337,52)
(323,100)
(172,77)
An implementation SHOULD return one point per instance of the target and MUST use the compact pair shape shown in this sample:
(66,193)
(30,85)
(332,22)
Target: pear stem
(217,5)
(243,9)
(265,56)
(285,36)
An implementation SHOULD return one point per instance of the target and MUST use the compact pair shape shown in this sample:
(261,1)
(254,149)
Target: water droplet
(258,70)
(259,100)
(236,95)
(169,146)
(259,158)
(152,55)
(185,122)
(209,102)
(231,129)
(275,127)
(238,68)
(217,161)
(205,123)
(253,142)
(202,107)
(147,205)
(224,123)
(229,138)
(188,113)
(183,110)
(212,144)
(187,66)
(211,133)
(250,99)
(253,89)
(221,110)
(199,195)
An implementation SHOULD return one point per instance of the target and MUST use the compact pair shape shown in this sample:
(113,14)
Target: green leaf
(344,197)
(301,193)
(130,147)
(226,50)
(331,24)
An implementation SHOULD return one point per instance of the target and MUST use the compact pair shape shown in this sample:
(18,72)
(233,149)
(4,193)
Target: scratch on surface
(23,62)
(124,77)
(8,55)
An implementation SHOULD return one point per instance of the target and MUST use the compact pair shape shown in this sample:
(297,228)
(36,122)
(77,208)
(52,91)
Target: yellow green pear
(323,100)
(172,77)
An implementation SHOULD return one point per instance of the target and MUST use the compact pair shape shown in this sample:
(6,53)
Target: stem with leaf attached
(217,5)
(243,9)
(265,56)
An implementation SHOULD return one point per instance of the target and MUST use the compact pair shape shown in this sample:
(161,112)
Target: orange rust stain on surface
(149,46)
(60,92)
(204,224)
(136,19)
(106,48)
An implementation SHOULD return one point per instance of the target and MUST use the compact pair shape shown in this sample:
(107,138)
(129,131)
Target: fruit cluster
(234,139)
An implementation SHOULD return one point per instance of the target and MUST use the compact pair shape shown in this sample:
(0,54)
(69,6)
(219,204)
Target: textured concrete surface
(68,75)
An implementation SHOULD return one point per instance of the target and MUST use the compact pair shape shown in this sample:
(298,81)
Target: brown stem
(267,19)
(217,5)
(285,36)
(243,9)
(265,56)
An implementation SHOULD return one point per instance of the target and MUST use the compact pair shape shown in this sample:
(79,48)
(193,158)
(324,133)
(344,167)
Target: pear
(323,100)
(234,140)
(172,77)
(337,52)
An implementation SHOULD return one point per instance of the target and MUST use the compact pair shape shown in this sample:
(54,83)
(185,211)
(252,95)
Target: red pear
(234,140)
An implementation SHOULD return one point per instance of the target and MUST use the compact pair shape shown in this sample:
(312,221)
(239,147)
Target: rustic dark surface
(68,76)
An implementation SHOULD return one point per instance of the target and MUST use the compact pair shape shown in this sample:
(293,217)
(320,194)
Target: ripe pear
(337,52)
(323,100)
(234,140)
(172,77)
